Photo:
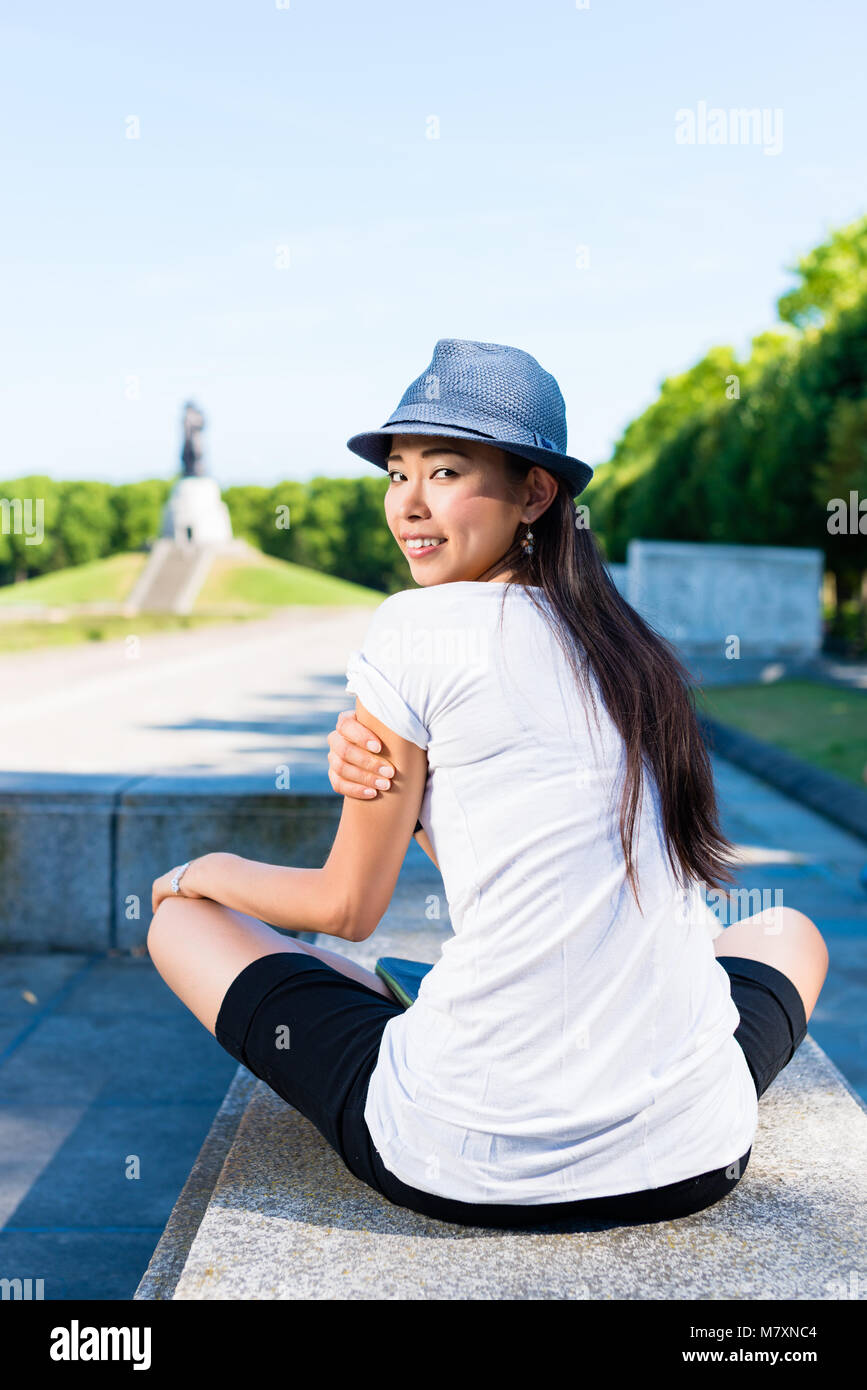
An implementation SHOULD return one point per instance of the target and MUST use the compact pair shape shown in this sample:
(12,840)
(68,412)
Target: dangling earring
(527,543)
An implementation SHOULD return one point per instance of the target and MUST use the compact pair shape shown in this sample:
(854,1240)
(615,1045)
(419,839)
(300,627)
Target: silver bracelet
(179,875)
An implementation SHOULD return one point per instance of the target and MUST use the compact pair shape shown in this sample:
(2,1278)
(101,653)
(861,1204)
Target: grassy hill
(265,581)
(235,581)
(100,581)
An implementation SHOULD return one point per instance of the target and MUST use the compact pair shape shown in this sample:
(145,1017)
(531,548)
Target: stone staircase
(172,577)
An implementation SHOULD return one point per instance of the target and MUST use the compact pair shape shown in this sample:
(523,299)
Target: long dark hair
(647,690)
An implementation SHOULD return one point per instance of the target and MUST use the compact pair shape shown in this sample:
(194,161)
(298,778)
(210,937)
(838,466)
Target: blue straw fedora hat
(486,392)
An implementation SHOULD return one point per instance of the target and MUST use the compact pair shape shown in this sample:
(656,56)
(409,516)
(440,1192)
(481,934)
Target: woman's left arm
(351,892)
(282,896)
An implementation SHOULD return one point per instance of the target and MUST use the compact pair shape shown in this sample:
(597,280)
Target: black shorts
(313,1035)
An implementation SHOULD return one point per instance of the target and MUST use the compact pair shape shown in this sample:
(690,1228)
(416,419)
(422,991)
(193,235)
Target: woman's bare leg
(349,967)
(788,940)
(199,947)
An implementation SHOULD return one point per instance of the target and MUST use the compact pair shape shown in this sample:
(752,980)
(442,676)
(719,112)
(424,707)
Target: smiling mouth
(423,549)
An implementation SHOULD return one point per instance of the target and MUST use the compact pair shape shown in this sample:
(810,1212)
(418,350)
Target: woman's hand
(353,765)
(162,887)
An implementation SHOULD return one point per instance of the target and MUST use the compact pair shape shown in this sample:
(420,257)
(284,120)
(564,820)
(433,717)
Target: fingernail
(374,747)
(386,771)
(382,784)
(368,791)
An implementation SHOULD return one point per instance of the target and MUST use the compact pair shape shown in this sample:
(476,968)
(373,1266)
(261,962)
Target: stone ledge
(834,797)
(285,1219)
(105,838)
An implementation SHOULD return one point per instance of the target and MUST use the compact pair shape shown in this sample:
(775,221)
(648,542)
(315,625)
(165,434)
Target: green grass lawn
(823,724)
(28,636)
(100,581)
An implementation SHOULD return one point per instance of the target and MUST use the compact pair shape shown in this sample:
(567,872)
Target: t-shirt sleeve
(390,686)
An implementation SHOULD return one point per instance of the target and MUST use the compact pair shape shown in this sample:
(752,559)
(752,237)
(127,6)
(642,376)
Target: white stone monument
(195,513)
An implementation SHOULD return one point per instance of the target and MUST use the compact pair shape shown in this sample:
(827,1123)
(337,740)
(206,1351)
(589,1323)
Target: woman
(584,1048)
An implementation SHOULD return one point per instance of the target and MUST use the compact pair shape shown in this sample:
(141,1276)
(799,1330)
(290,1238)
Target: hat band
(504,436)
(444,424)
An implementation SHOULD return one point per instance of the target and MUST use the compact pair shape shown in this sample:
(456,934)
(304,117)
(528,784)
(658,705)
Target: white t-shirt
(563,1046)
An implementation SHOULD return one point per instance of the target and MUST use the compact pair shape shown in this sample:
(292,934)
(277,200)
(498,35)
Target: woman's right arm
(353,767)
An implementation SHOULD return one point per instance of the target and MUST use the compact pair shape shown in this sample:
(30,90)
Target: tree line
(768,450)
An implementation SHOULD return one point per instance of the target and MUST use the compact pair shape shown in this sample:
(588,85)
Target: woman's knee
(788,926)
(160,923)
(179,929)
(788,940)
(801,931)
(803,956)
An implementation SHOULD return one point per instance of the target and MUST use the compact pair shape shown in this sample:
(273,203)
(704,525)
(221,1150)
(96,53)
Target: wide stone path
(235,698)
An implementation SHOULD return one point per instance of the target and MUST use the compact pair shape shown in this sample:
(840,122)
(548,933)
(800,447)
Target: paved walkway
(234,698)
(239,698)
(815,866)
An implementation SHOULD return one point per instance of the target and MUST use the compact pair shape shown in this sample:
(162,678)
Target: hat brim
(373,447)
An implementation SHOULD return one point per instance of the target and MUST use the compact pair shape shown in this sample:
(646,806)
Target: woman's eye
(392,471)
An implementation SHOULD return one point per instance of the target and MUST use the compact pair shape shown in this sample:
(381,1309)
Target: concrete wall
(78,854)
(700,596)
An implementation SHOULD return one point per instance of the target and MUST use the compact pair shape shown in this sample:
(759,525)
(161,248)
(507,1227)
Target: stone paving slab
(89,1072)
(167,1262)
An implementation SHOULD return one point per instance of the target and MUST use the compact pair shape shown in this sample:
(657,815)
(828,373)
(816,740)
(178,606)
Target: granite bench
(270,1211)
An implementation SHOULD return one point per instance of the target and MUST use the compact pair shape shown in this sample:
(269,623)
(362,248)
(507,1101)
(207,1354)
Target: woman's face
(453,489)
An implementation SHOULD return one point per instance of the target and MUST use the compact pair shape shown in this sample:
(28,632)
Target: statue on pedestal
(195,513)
(191,453)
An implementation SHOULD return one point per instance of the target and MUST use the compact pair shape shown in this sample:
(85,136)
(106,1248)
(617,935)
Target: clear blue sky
(305,127)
